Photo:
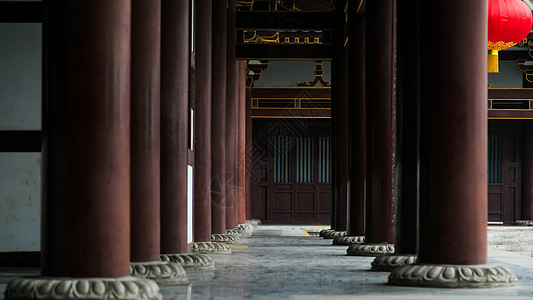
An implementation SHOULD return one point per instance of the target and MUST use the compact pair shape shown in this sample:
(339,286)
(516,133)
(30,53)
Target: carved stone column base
(191,262)
(211,248)
(333,234)
(524,222)
(391,262)
(164,273)
(348,240)
(241,230)
(235,232)
(323,232)
(452,276)
(82,288)
(370,249)
(253,222)
(247,228)
(225,238)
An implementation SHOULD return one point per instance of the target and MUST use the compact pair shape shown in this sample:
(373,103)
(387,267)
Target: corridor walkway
(282,262)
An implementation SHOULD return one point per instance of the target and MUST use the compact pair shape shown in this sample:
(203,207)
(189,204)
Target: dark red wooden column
(336,73)
(145,142)
(175,62)
(453,154)
(357,119)
(341,161)
(202,121)
(408,102)
(218,124)
(241,145)
(86,139)
(249,155)
(332,145)
(527,171)
(380,90)
(452,248)
(231,120)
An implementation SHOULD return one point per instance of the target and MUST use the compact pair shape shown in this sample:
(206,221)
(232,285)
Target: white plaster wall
(20,109)
(20,76)
(508,77)
(289,73)
(20,203)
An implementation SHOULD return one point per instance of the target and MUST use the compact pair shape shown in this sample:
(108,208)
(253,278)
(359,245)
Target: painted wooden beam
(285,20)
(284,51)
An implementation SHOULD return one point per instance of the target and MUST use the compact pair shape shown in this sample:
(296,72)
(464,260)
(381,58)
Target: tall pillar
(333,139)
(453,151)
(381,92)
(202,131)
(355,230)
(231,121)
(202,121)
(241,145)
(85,229)
(145,147)
(407,141)
(526,217)
(342,141)
(145,97)
(249,155)
(175,61)
(336,87)
(408,128)
(218,124)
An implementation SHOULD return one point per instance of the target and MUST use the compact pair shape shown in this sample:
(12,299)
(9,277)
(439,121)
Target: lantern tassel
(492,66)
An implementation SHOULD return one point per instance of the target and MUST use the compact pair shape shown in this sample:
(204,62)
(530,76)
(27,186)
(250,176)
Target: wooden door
(503,172)
(294,185)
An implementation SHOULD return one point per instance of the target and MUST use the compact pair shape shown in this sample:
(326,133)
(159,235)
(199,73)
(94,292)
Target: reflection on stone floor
(283,262)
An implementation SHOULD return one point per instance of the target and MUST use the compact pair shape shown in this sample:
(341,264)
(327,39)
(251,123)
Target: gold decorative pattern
(527,70)
(499,45)
(318,77)
(250,36)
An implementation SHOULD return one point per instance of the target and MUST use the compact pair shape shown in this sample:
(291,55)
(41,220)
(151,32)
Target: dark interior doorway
(504,157)
(291,171)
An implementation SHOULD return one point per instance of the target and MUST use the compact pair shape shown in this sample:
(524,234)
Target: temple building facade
(138,137)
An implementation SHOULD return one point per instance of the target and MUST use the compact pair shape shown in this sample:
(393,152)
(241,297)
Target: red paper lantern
(509,23)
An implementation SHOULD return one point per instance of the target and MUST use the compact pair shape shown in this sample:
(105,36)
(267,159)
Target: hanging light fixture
(510,22)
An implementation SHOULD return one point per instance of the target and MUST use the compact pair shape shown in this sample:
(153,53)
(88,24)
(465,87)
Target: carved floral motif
(390,262)
(211,248)
(348,240)
(191,262)
(452,276)
(333,234)
(161,272)
(127,288)
(225,238)
(370,249)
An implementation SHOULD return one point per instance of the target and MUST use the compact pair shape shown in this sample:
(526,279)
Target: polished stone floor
(283,262)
